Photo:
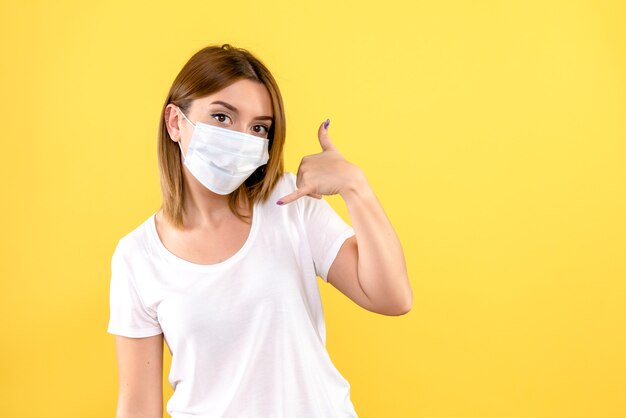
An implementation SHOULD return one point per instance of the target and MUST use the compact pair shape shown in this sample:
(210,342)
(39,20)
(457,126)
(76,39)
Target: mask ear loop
(181,151)
(180,146)
(185,116)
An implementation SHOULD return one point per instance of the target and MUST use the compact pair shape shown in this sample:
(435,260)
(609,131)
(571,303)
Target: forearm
(382,271)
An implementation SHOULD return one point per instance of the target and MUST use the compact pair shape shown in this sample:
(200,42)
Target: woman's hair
(208,71)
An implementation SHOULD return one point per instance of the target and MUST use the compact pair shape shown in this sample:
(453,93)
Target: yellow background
(493,132)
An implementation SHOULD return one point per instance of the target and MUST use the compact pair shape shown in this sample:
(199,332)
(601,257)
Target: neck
(202,207)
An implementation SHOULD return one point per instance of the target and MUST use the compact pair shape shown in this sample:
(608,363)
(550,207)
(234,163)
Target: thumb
(322,134)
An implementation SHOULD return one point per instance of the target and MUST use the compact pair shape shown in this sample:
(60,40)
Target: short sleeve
(128,315)
(326,232)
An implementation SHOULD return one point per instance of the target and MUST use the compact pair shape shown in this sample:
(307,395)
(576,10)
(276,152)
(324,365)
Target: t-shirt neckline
(173,258)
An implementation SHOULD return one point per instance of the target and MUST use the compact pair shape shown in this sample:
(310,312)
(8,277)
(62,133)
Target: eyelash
(223,114)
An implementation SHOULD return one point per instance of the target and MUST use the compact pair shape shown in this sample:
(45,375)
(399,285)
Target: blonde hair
(208,71)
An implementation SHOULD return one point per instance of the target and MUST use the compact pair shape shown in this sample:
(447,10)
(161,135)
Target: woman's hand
(325,173)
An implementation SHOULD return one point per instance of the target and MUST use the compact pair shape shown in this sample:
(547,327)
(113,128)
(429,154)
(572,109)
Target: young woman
(225,271)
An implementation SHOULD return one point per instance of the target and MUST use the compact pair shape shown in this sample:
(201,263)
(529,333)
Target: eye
(220,117)
(260,129)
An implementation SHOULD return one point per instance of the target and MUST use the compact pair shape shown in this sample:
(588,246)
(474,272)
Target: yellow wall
(494,134)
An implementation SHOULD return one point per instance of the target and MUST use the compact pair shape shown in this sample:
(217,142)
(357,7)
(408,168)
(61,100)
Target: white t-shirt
(246,335)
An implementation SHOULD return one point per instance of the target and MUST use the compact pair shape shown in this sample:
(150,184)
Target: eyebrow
(234,109)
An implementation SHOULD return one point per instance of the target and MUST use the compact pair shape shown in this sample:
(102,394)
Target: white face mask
(222,159)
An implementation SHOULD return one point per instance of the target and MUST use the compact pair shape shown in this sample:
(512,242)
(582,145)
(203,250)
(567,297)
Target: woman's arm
(370,268)
(140,371)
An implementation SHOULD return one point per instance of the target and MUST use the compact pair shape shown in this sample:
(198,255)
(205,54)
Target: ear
(171,116)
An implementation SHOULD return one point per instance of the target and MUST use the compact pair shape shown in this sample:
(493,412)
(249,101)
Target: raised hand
(325,173)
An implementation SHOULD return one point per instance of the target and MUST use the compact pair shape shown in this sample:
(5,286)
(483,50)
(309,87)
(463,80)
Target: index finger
(297,194)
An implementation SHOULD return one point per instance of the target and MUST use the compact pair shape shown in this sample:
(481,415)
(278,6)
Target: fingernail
(280,202)
(326,123)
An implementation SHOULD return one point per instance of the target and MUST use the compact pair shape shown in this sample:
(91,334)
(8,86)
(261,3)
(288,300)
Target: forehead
(250,97)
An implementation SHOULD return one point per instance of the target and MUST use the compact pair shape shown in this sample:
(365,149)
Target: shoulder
(135,243)
(286,183)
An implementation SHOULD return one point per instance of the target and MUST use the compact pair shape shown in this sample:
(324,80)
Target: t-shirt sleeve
(129,316)
(326,232)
